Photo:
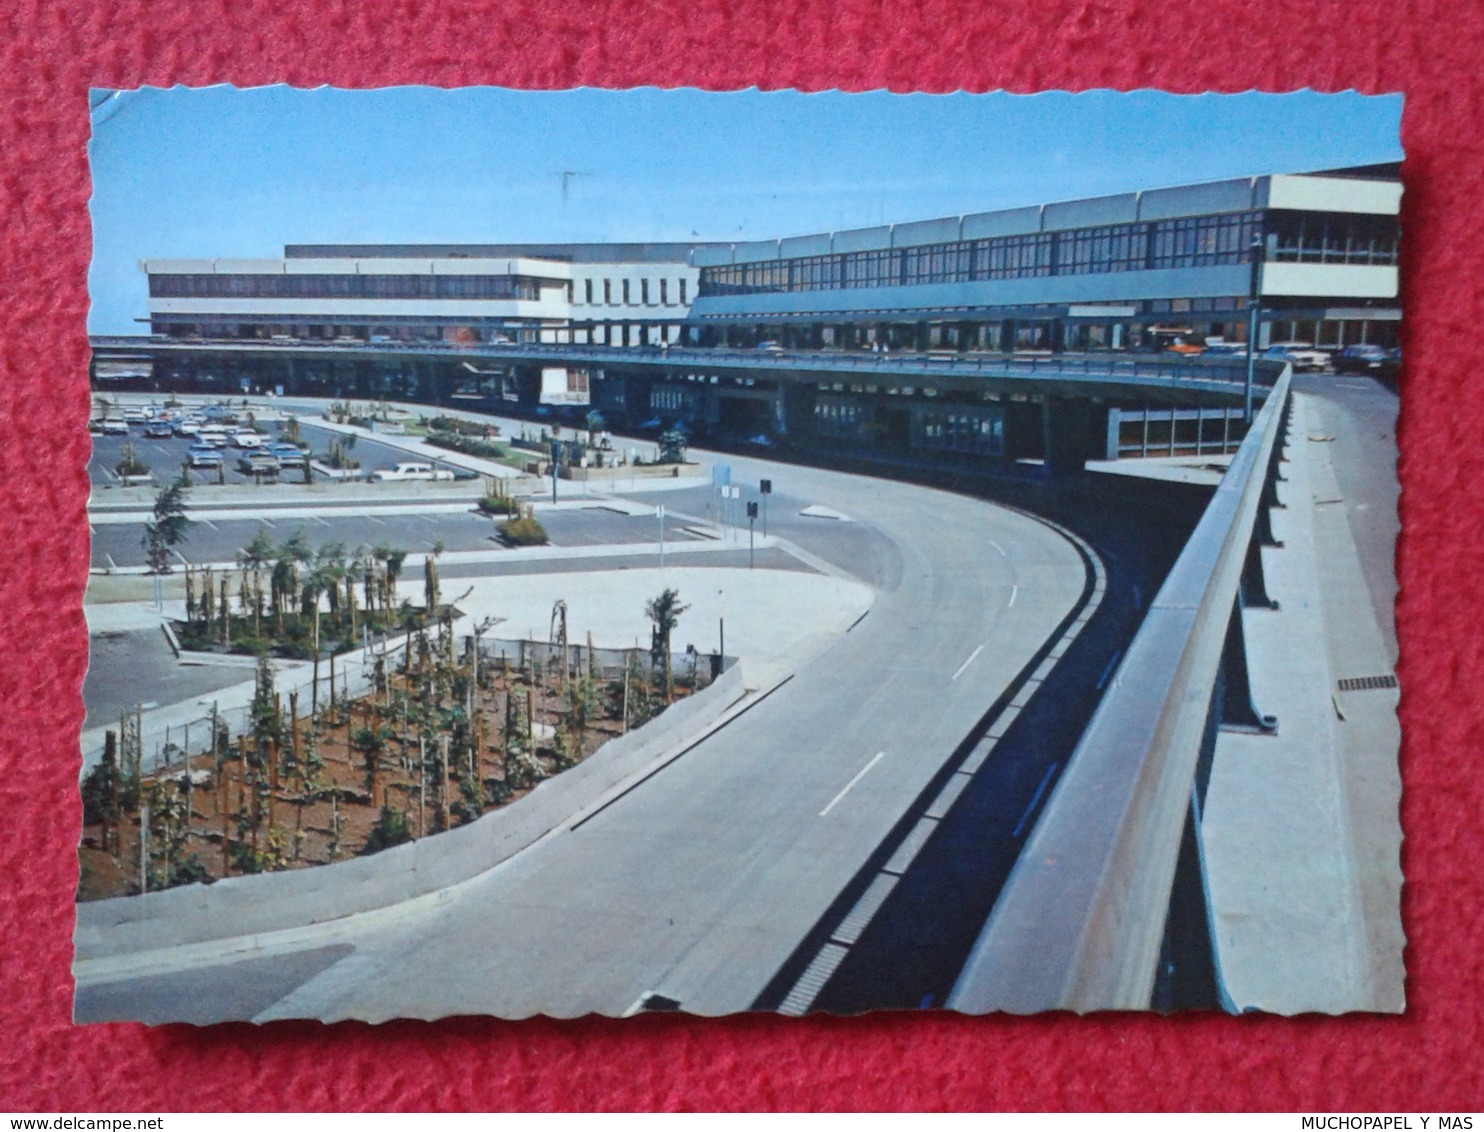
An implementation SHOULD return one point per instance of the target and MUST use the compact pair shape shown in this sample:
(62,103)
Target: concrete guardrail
(1080,923)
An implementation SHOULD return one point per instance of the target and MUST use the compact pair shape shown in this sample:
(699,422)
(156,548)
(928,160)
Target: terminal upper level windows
(587,291)
(1199,241)
(664,292)
(1316,237)
(608,292)
(229,286)
(626,300)
(682,292)
(644,291)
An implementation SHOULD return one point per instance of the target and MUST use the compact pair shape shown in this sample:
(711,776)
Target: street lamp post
(1254,300)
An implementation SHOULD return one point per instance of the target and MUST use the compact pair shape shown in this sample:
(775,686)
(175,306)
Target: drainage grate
(1367,683)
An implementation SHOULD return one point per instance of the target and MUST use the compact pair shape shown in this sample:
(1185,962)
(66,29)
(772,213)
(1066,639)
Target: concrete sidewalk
(1301,836)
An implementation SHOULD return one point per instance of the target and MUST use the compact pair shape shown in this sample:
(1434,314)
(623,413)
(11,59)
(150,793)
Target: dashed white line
(860,774)
(966,663)
(1014,590)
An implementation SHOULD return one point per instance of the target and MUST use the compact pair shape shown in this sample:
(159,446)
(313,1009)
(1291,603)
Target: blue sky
(226,172)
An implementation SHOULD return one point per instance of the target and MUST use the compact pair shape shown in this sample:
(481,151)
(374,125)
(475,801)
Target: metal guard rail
(1080,922)
(1223,374)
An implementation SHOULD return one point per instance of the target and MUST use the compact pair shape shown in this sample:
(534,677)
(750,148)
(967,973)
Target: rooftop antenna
(566,175)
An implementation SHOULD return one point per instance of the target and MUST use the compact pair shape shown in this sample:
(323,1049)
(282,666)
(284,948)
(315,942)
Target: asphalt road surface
(454,527)
(700,884)
(1360,414)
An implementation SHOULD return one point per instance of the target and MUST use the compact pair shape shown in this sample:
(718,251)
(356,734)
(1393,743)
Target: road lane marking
(849,931)
(1103,679)
(811,983)
(860,774)
(1015,589)
(998,547)
(965,664)
(910,846)
(1050,770)
(210,524)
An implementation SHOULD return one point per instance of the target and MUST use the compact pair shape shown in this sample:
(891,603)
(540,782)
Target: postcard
(610,552)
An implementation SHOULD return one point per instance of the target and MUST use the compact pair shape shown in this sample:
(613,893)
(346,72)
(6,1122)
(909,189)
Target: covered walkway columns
(1073,432)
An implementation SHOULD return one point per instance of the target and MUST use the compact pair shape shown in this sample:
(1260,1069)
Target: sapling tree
(664,613)
(167,528)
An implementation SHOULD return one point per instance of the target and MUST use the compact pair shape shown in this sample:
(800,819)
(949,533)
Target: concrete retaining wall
(269,902)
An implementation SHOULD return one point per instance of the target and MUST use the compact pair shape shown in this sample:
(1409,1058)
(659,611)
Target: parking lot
(165,456)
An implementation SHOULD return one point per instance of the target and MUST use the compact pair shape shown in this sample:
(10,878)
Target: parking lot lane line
(966,663)
(378,522)
(998,547)
(210,524)
(860,774)
(1014,590)
(112,565)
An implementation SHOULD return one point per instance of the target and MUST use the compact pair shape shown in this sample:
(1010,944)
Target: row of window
(626,292)
(1202,241)
(1308,237)
(344,287)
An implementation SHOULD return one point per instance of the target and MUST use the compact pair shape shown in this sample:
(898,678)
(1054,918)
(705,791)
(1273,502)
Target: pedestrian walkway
(1300,831)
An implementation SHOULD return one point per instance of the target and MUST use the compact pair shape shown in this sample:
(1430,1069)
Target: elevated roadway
(694,887)
(1152,377)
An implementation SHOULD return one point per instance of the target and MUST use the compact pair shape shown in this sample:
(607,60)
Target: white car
(247,438)
(1301,355)
(116,426)
(187,427)
(403,472)
(214,435)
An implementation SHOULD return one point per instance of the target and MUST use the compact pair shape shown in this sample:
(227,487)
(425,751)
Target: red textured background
(51,52)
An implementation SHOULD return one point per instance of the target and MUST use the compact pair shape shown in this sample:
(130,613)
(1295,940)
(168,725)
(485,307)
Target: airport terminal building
(512,327)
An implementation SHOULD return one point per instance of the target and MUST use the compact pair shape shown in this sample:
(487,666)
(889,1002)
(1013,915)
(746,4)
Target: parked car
(214,435)
(1303,357)
(406,471)
(187,426)
(136,415)
(771,347)
(247,438)
(115,426)
(288,455)
(157,430)
(203,456)
(258,464)
(1360,359)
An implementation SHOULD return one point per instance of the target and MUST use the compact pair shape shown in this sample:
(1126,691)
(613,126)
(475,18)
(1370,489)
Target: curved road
(699,884)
